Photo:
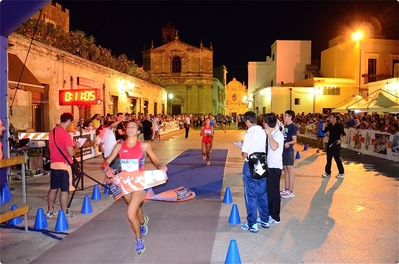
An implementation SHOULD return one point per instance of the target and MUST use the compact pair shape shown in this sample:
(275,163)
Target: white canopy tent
(377,102)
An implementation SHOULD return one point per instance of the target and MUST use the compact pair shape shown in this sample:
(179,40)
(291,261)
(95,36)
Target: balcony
(368,78)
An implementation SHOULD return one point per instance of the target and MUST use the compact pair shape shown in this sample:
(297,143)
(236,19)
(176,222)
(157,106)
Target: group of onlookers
(380,122)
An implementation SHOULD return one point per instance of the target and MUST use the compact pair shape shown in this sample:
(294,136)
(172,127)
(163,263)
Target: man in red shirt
(61,174)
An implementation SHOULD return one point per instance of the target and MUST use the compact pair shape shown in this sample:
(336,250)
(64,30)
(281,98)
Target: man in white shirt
(254,189)
(187,124)
(275,163)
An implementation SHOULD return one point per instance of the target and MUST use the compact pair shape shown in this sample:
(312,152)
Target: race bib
(129,165)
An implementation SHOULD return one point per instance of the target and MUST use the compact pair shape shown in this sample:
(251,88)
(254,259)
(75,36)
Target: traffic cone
(233,256)
(227,196)
(86,208)
(96,195)
(106,189)
(4,196)
(62,223)
(1,201)
(40,221)
(8,192)
(305,147)
(234,215)
(298,156)
(16,220)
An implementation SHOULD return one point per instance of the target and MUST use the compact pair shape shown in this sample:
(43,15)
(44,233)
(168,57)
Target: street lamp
(358,36)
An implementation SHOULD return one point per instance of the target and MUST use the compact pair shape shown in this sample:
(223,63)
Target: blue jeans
(255,197)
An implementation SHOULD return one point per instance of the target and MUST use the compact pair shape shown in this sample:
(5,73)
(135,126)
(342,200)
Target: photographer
(336,135)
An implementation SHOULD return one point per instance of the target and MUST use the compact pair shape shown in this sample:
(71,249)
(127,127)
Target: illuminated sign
(79,96)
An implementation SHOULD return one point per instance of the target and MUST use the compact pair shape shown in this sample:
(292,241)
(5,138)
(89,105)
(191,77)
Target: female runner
(207,139)
(133,148)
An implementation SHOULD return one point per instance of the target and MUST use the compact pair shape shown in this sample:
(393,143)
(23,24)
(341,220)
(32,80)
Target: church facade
(187,72)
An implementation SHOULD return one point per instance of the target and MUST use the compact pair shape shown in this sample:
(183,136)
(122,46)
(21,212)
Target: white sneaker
(326,175)
(283,191)
(288,194)
(272,221)
(70,215)
(340,175)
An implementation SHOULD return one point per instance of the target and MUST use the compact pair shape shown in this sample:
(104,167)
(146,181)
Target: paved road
(354,220)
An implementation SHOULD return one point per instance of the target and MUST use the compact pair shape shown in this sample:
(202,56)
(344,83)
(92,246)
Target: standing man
(61,176)
(148,130)
(275,163)
(337,134)
(187,124)
(289,132)
(254,189)
(120,131)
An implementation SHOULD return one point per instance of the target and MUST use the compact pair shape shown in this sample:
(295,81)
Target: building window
(331,91)
(273,57)
(176,65)
(297,101)
(372,70)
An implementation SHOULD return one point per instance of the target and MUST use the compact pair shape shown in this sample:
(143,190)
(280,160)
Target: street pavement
(350,220)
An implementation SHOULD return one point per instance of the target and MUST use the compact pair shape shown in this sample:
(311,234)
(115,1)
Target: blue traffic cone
(1,201)
(8,192)
(86,208)
(40,221)
(234,215)
(62,223)
(298,156)
(96,195)
(106,189)
(305,147)
(4,196)
(227,196)
(16,220)
(233,256)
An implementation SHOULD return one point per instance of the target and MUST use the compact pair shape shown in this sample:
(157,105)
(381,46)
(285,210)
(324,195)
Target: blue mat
(190,170)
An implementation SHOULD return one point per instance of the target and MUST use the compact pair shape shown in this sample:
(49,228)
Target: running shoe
(143,230)
(70,215)
(140,248)
(146,219)
(253,229)
(272,221)
(326,175)
(340,175)
(283,191)
(262,224)
(288,194)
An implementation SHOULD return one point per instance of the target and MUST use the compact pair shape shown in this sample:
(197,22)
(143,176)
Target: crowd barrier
(369,142)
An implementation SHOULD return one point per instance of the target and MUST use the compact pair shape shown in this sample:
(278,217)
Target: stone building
(56,14)
(236,98)
(35,104)
(187,72)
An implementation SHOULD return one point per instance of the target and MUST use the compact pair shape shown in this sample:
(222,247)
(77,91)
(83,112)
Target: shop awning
(28,81)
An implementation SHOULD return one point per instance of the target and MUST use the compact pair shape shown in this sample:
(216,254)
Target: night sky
(240,31)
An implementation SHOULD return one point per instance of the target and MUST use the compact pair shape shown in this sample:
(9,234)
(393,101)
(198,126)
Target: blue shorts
(59,179)
(288,158)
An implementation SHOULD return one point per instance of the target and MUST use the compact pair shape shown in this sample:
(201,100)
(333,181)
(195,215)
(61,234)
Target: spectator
(275,163)
(290,132)
(254,189)
(61,176)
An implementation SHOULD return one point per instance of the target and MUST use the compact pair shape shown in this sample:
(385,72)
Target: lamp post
(357,36)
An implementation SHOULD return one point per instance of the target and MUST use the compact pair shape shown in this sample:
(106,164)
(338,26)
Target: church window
(176,65)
